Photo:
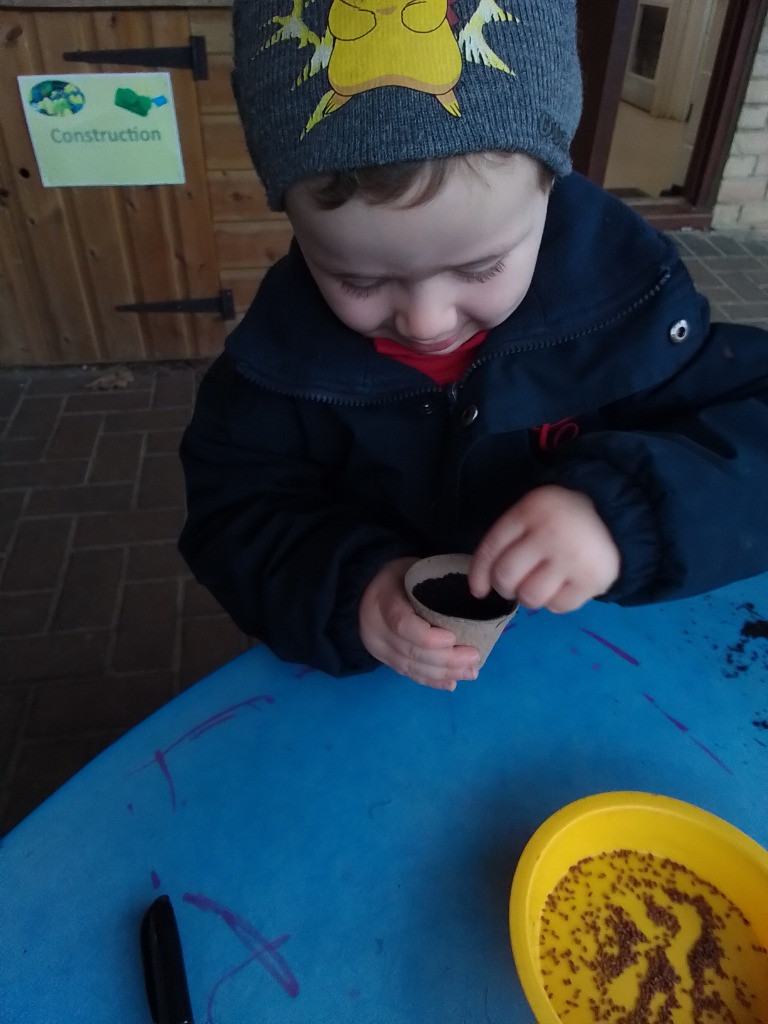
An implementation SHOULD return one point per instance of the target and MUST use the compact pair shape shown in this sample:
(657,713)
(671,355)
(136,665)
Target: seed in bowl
(631,938)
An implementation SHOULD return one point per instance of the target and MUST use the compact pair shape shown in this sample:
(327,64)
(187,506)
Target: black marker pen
(164,976)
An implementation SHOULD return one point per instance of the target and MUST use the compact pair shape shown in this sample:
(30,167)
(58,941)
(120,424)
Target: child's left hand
(550,550)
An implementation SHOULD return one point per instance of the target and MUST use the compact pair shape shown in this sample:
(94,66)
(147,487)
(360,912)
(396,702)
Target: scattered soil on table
(450,595)
(751,649)
(756,628)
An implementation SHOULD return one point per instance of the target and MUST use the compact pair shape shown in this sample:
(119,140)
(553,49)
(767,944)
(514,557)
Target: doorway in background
(672,53)
(664,82)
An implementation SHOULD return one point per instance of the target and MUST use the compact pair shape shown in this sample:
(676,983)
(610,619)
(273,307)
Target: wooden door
(70,256)
(249,236)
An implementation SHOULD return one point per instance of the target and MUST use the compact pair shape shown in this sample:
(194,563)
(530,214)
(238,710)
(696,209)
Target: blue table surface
(342,850)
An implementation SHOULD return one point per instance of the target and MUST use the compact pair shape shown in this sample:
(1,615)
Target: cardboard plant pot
(438,591)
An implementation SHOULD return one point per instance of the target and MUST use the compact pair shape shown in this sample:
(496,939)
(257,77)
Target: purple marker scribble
(261,949)
(130,808)
(214,991)
(155,880)
(163,766)
(674,721)
(225,715)
(684,728)
(713,756)
(209,723)
(305,670)
(509,625)
(677,724)
(610,646)
(219,718)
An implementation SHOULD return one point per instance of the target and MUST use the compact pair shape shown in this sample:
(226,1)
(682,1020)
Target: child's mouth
(433,348)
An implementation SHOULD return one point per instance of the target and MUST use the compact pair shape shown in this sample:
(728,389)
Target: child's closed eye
(480,276)
(364,290)
(360,291)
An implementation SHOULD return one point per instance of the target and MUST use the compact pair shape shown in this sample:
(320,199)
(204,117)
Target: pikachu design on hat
(392,42)
(372,43)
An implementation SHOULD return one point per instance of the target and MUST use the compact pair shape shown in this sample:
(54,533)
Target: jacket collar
(598,260)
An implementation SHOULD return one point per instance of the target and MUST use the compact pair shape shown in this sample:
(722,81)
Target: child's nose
(425,313)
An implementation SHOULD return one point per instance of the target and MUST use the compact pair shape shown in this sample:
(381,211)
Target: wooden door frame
(730,76)
(604,40)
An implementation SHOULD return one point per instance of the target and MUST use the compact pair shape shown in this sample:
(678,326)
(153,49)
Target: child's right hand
(395,635)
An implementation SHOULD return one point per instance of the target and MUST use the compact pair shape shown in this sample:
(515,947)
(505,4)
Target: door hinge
(222,303)
(193,56)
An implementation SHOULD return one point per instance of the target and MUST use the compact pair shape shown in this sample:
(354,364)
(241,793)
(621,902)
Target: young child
(468,348)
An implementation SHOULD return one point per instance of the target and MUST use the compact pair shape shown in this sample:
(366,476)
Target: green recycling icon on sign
(137,104)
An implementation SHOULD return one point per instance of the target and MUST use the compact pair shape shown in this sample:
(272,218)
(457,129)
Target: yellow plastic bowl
(696,860)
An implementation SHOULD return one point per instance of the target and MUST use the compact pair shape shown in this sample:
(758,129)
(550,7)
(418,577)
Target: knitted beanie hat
(334,85)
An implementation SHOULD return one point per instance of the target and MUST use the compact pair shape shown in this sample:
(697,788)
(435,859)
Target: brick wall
(742,201)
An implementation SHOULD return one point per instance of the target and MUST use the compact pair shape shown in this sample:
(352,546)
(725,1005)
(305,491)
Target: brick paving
(100,621)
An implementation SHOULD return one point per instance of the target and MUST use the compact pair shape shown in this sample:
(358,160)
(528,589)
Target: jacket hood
(598,262)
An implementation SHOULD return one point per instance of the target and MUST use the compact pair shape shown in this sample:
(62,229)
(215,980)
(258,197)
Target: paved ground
(100,621)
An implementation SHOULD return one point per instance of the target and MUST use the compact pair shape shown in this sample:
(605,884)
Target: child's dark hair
(390,183)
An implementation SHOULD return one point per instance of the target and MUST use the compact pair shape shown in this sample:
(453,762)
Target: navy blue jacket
(311,460)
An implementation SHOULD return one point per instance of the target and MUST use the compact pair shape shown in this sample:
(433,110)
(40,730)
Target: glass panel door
(667,74)
(650,33)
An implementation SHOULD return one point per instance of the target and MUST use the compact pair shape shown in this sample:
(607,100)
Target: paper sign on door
(103,129)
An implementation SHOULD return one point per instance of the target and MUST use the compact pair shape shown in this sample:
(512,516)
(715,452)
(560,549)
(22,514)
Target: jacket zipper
(352,403)
(584,332)
(451,391)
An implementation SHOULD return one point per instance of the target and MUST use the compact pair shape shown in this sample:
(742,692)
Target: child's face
(432,276)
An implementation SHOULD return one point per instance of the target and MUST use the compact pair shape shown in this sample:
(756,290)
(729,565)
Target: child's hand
(550,550)
(394,634)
